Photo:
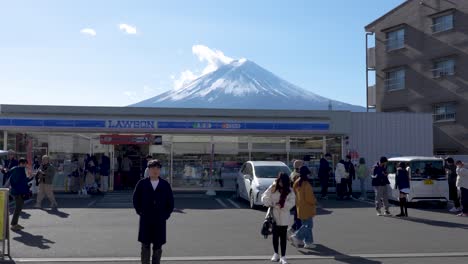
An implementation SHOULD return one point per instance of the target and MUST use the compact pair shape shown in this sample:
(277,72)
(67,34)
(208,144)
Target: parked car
(427,179)
(255,177)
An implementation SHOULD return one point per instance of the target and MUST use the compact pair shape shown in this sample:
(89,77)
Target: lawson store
(204,147)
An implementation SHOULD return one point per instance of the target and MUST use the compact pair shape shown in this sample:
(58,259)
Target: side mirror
(247,177)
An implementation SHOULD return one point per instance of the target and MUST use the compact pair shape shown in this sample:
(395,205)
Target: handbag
(267,226)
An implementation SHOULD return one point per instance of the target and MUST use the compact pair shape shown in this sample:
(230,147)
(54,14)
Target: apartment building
(420,62)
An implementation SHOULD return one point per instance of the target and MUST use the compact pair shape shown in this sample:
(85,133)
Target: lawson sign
(78,123)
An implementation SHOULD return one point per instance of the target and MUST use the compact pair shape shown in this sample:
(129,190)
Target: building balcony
(446,117)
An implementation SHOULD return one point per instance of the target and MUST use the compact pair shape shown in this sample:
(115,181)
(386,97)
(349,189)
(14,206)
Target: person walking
(362,173)
(126,171)
(325,171)
(153,201)
(46,174)
(451,170)
(280,198)
(19,189)
(402,183)
(104,170)
(351,175)
(380,183)
(340,179)
(306,205)
(293,177)
(462,184)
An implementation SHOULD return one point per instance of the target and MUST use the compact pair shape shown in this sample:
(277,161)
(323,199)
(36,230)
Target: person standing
(380,183)
(10,163)
(340,179)
(362,173)
(402,182)
(306,205)
(451,170)
(280,197)
(351,175)
(46,175)
(153,201)
(293,177)
(105,172)
(126,168)
(146,172)
(462,184)
(19,190)
(325,171)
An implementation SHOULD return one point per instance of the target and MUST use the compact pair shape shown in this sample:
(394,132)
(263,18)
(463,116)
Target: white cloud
(88,31)
(214,58)
(128,29)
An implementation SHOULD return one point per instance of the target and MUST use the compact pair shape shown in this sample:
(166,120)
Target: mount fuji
(242,84)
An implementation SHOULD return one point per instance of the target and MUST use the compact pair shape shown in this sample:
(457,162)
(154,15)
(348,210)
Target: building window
(395,39)
(444,112)
(442,23)
(443,68)
(395,80)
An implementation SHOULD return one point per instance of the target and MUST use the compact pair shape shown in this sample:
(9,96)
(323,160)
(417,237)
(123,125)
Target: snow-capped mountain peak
(243,84)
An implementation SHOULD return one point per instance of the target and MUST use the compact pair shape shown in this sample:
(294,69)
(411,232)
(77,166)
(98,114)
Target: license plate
(428,182)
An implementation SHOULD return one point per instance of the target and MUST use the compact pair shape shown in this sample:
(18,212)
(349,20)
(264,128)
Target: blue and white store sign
(241,126)
(113,124)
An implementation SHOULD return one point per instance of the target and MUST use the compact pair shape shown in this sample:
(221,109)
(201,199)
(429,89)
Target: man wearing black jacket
(325,171)
(153,202)
(349,166)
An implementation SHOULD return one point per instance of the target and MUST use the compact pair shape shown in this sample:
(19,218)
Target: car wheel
(252,202)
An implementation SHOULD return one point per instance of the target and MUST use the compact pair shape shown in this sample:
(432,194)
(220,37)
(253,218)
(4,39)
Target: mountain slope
(242,84)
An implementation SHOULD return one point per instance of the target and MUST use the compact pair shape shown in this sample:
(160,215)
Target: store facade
(199,148)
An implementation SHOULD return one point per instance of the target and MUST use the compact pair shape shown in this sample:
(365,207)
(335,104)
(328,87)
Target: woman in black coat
(154,202)
(402,182)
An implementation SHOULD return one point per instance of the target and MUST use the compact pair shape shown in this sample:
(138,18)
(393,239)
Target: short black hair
(348,156)
(154,163)
(383,159)
(450,160)
(22,161)
(149,156)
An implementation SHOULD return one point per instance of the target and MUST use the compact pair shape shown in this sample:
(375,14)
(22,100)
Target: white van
(428,181)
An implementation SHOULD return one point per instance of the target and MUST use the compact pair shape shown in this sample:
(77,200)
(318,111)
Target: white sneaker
(454,210)
(283,260)
(310,246)
(275,257)
(295,241)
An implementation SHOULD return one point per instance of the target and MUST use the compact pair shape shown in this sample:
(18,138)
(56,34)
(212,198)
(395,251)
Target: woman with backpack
(281,199)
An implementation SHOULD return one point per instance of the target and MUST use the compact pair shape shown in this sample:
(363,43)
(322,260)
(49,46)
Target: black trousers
(453,194)
(279,236)
(349,185)
(19,202)
(146,254)
(341,188)
(324,185)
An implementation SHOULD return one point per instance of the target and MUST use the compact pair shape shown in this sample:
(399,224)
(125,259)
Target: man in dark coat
(324,174)
(154,202)
(19,189)
(349,166)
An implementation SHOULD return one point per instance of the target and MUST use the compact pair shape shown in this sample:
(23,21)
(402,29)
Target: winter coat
(324,169)
(47,175)
(362,171)
(380,176)
(402,180)
(18,181)
(451,173)
(282,216)
(349,166)
(306,204)
(462,178)
(340,173)
(154,208)
(294,176)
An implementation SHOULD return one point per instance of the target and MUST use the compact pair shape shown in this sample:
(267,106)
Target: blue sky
(86,53)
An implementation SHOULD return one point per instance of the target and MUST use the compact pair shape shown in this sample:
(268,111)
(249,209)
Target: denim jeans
(305,232)
(363,187)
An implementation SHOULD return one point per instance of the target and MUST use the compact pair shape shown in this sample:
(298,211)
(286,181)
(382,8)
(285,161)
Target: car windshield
(428,168)
(270,171)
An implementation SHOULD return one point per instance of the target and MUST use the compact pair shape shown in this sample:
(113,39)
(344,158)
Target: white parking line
(234,204)
(227,258)
(221,203)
